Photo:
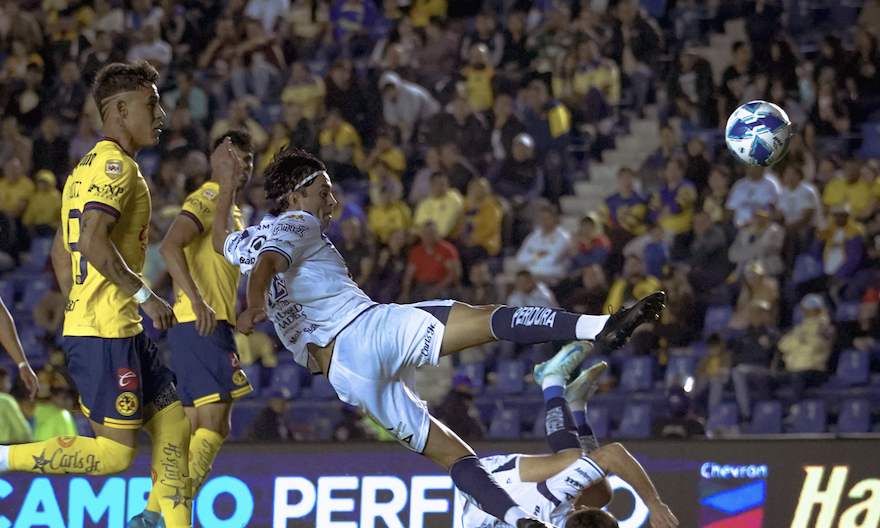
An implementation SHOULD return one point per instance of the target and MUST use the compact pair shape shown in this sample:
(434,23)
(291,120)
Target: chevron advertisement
(709,484)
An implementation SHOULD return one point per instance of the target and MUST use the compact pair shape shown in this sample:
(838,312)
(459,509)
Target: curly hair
(289,167)
(591,518)
(119,77)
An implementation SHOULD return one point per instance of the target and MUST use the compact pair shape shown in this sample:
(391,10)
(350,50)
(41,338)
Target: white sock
(551,380)
(589,326)
(514,514)
(4,458)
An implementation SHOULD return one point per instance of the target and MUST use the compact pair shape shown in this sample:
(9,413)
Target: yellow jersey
(216,278)
(107,179)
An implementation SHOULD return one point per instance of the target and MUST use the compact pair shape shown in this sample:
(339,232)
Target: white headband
(308,179)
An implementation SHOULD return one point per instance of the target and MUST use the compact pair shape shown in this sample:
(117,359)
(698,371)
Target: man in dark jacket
(634,45)
(458,412)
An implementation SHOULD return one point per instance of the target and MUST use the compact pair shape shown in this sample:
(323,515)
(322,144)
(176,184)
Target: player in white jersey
(369,351)
(569,487)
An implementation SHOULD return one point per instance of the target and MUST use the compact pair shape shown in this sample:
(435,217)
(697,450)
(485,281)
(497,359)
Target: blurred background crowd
(547,152)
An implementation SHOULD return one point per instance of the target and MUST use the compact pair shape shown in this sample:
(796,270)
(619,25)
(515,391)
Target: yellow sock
(170,429)
(71,454)
(203,449)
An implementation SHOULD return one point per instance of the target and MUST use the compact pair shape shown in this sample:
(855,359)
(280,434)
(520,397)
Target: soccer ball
(757,133)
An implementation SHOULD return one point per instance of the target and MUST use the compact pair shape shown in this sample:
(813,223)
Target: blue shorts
(207,367)
(116,377)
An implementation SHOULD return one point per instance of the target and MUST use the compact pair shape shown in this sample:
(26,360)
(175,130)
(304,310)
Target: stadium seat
(847,311)
(287,376)
(39,254)
(855,416)
(636,421)
(505,424)
(600,422)
(637,374)
(722,415)
(717,319)
(7,293)
(476,371)
(852,369)
(679,368)
(509,378)
(808,416)
(870,141)
(320,389)
(766,418)
(33,291)
(806,267)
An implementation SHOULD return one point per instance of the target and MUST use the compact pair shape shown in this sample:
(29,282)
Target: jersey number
(76,215)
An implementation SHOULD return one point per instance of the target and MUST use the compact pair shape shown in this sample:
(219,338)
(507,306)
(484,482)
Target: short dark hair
(239,138)
(119,77)
(591,518)
(289,167)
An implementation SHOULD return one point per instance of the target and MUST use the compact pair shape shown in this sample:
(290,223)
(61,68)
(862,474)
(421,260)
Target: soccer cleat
(147,519)
(4,458)
(564,362)
(583,386)
(621,324)
(526,522)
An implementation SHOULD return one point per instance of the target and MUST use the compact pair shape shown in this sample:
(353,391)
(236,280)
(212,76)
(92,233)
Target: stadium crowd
(451,130)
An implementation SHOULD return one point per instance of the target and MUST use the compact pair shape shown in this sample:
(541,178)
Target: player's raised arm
(614,458)
(226,165)
(9,340)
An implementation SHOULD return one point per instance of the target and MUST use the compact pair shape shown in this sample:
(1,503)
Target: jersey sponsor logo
(61,460)
(127,404)
(87,160)
(429,336)
(399,431)
(126,379)
(573,483)
(307,330)
(71,305)
(233,360)
(246,261)
(113,168)
(533,316)
(209,194)
(298,230)
(106,191)
(278,292)
(73,190)
(239,378)
(197,205)
(289,316)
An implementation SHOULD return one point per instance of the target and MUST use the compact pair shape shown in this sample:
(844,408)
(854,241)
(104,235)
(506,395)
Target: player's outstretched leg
(469,326)
(578,393)
(68,454)
(552,375)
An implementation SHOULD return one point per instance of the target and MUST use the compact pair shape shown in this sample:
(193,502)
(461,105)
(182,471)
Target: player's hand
(662,517)
(30,380)
(226,164)
(248,318)
(206,319)
(159,311)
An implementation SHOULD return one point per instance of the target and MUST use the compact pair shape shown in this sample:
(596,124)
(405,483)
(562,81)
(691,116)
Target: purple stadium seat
(505,424)
(855,416)
(509,378)
(722,415)
(636,421)
(600,422)
(808,416)
(852,368)
(679,368)
(637,374)
(766,418)
(717,319)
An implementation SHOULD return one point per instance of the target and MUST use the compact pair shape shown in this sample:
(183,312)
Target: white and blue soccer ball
(758,133)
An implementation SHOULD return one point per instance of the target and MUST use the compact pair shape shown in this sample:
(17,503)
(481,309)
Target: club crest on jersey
(127,404)
(113,168)
(533,316)
(239,378)
(209,194)
(126,379)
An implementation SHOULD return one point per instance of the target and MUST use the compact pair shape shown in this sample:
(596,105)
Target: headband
(308,179)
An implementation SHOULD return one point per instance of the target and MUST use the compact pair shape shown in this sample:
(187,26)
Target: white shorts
(550,500)
(374,365)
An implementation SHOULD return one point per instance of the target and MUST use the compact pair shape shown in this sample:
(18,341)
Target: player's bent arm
(268,264)
(615,459)
(182,233)
(61,264)
(223,219)
(96,246)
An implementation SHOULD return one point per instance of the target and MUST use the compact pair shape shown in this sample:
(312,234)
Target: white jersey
(314,298)
(550,500)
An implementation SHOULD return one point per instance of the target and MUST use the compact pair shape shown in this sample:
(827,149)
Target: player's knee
(115,457)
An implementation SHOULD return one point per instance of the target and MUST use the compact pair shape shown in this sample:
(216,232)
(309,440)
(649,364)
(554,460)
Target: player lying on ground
(98,254)
(568,487)
(369,351)
(204,356)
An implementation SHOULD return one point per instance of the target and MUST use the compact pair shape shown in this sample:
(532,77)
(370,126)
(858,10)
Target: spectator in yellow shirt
(240,119)
(389,212)
(422,11)
(631,286)
(480,233)
(477,77)
(305,89)
(340,147)
(43,211)
(849,188)
(443,207)
(385,151)
(15,189)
